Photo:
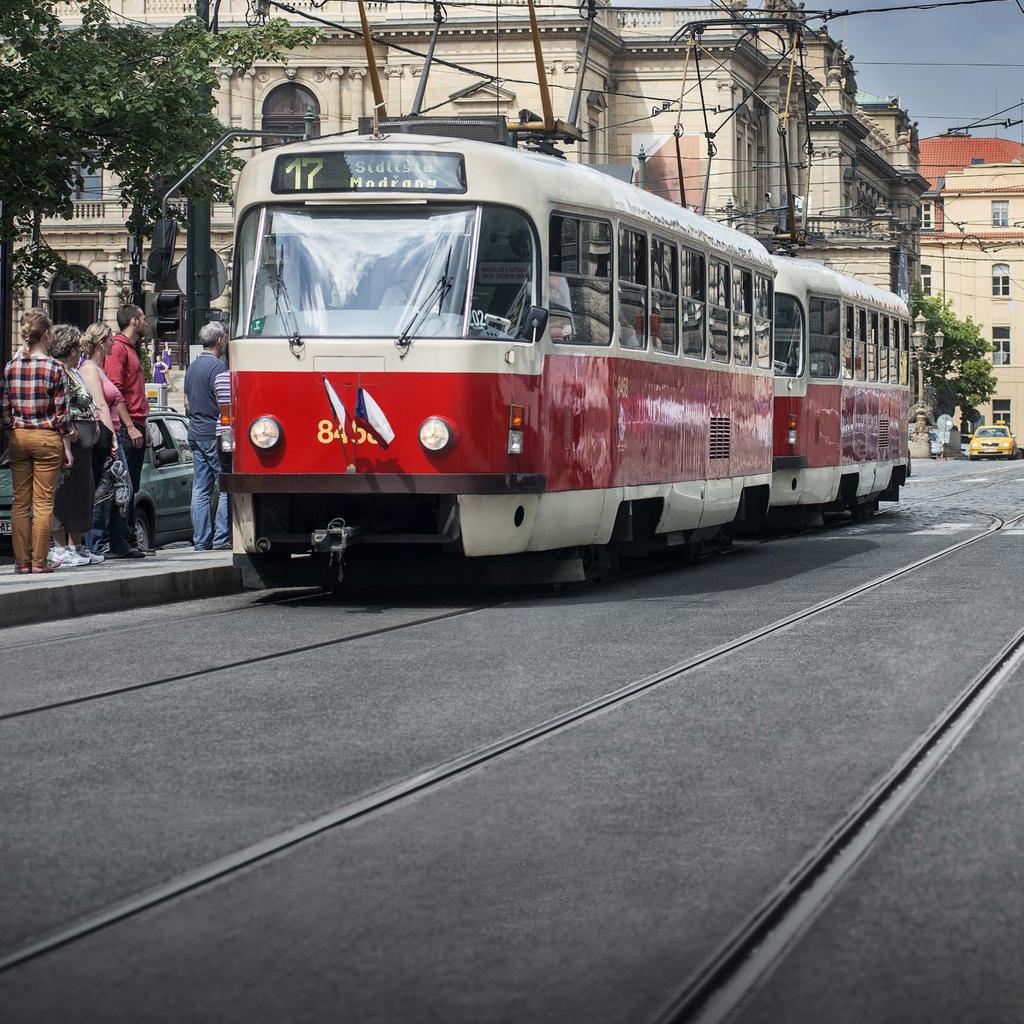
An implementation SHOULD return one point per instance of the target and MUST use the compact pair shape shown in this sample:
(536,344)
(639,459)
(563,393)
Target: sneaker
(55,556)
(130,553)
(72,559)
(84,552)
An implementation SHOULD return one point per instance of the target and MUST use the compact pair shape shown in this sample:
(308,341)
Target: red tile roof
(943,153)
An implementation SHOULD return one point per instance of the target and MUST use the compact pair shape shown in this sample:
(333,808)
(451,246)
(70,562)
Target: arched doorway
(284,110)
(72,302)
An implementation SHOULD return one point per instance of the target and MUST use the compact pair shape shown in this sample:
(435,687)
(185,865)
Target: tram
(455,349)
(842,364)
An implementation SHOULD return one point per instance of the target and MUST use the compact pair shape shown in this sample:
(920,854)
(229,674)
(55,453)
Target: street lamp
(920,447)
(103,295)
(119,279)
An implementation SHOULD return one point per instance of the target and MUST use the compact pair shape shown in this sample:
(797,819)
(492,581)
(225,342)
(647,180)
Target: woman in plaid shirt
(34,409)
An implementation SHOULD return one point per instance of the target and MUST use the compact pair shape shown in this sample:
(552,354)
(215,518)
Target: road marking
(1014,531)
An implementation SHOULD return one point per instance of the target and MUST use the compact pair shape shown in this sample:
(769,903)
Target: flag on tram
(370,416)
(336,405)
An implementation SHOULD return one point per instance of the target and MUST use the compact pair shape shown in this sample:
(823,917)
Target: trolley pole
(197,297)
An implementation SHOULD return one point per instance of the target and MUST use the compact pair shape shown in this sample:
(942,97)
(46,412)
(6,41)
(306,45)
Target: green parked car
(163,504)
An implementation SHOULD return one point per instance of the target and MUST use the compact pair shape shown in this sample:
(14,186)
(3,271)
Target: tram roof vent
(489,128)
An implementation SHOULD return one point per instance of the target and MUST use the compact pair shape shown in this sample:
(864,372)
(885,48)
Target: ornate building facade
(859,193)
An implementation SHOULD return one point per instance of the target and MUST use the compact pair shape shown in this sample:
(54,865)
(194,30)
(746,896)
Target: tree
(115,95)
(961,375)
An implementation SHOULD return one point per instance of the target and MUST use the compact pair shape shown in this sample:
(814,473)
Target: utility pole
(197,297)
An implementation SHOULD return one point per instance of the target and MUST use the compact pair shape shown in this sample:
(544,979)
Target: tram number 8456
(326,432)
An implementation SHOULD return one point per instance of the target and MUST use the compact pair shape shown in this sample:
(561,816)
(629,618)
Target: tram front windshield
(369,273)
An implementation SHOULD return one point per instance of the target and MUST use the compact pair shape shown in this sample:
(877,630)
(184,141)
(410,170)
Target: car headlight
(435,434)
(265,432)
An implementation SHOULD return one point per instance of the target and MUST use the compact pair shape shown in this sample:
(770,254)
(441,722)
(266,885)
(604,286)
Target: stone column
(338,74)
(393,93)
(357,104)
(224,105)
(252,114)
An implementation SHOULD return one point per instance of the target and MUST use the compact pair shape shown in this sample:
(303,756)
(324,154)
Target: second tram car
(461,347)
(842,365)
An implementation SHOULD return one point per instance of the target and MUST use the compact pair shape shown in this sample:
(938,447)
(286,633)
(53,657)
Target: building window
(87,185)
(927,216)
(1000,280)
(1000,213)
(284,110)
(1001,346)
(926,279)
(1001,411)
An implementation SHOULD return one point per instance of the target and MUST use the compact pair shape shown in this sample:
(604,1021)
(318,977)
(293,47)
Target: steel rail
(242,662)
(311,594)
(734,971)
(428,778)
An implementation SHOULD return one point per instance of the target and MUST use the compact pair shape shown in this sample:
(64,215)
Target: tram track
(428,778)
(719,988)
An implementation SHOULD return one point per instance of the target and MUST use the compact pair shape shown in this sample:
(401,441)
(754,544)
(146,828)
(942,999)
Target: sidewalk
(175,574)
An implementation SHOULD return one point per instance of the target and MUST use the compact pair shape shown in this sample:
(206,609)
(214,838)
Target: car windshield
(400,271)
(992,432)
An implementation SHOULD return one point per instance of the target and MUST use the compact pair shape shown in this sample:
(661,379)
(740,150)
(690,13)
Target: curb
(27,607)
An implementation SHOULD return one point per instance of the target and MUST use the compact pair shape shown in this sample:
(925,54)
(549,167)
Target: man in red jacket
(124,368)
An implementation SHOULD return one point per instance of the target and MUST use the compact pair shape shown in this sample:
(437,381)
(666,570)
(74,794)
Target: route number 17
(304,169)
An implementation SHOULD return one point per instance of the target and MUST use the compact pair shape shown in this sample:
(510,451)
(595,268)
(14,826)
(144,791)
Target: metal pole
(36,226)
(199,235)
(6,320)
(577,94)
(421,88)
(641,178)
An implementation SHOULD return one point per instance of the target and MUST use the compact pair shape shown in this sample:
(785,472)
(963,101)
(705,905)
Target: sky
(944,96)
(911,42)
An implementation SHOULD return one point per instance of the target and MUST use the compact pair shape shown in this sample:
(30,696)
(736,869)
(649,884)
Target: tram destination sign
(368,171)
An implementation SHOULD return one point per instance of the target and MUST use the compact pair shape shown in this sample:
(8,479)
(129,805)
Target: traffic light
(164,313)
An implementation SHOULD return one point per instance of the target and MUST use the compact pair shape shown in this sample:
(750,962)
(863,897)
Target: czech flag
(371,418)
(336,405)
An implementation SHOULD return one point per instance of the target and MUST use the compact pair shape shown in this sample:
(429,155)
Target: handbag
(88,433)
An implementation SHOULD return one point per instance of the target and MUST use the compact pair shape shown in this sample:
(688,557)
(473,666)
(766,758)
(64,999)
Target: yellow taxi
(995,442)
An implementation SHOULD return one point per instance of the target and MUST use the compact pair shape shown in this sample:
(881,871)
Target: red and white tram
(471,349)
(841,392)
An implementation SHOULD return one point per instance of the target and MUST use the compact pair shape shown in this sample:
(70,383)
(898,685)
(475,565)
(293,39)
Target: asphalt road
(583,875)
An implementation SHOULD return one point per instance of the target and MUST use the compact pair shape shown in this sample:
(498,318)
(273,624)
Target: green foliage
(114,94)
(961,375)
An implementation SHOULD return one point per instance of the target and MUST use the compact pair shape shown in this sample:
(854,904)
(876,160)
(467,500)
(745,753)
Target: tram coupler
(335,541)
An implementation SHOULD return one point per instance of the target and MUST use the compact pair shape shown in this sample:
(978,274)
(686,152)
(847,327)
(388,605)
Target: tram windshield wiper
(440,290)
(283,306)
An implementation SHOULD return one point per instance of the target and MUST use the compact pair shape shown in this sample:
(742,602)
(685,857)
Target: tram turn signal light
(791,436)
(516,418)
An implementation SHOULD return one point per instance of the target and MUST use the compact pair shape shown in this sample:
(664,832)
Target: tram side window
(718,309)
(664,296)
(503,289)
(742,315)
(694,298)
(894,352)
(848,336)
(883,352)
(872,346)
(824,340)
(632,289)
(763,307)
(861,352)
(904,352)
(580,281)
(789,335)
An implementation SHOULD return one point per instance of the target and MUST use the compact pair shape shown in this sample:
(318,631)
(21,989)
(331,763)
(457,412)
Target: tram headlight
(265,432)
(435,434)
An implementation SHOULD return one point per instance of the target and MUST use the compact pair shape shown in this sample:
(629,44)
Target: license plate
(5,527)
